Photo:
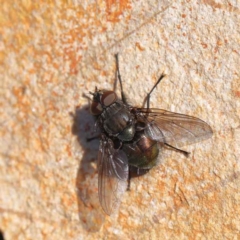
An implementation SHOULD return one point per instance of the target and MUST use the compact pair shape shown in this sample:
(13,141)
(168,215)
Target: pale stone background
(53,52)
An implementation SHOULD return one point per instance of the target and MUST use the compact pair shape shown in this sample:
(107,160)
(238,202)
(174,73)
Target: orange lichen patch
(68,200)
(104,73)
(138,45)
(204,45)
(18,92)
(235,86)
(96,66)
(116,8)
(52,107)
(23,104)
(62,40)
(219,42)
(39,145)
(212,3)
(237,94)
(69,150)
(85,29)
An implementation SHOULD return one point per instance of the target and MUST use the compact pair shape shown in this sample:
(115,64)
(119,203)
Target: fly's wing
(174,128)
(112,175)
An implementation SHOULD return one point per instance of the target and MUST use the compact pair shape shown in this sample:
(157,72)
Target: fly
(132,137)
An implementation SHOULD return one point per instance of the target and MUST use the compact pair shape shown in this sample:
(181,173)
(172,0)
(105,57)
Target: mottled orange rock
(53,52)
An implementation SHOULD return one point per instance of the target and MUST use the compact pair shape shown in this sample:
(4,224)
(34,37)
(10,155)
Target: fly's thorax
(118,121)
(113,115)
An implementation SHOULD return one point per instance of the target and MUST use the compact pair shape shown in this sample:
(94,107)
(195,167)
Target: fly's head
(101,100)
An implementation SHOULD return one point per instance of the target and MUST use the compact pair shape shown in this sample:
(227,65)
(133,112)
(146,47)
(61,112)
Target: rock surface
(53,52)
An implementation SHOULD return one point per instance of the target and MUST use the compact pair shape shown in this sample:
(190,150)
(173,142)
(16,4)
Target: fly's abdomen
(142,152)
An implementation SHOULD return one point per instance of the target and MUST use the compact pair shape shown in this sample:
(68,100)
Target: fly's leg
(135,172)
(93,138)
(129,181)
(130,176)
(149,94)
(120,80)
(178,150)
(148,110)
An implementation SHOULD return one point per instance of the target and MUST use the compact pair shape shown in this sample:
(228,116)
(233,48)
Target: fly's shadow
(1,235)
(90,213)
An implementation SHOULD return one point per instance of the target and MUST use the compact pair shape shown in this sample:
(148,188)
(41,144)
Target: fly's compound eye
(108,98)
(96,108)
